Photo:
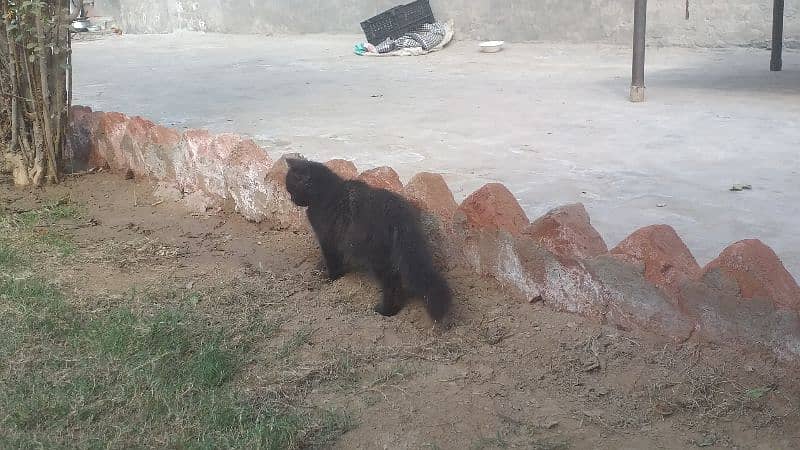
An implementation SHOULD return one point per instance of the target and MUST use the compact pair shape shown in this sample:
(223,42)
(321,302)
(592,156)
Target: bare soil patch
(502,374)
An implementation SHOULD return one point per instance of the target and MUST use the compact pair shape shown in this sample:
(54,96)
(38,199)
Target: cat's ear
(296,163)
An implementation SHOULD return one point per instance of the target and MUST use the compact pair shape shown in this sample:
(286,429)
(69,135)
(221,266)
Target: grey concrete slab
(551,121)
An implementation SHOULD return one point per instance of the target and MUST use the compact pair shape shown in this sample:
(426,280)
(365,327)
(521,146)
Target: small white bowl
(491,46)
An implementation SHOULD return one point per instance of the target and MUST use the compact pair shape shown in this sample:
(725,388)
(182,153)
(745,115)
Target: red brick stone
(224,144)
(604,288)
(247,152)
(202,160)
(382,178)
(567,231)
(430,192)
(79,113)
(194,144)
(245,174)
(634,303)
(138,127)
(493,206)
(81,150)
(163,136)
(725,319)
(518,263)
(134,145)
(110,131)
(274,202)
(667,261)
(226,160)
(213,159)
(162,149)
(343,168)
(758,272)
(277,173)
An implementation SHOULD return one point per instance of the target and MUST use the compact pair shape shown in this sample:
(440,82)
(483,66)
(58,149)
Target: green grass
(9,256)
(49,213)
(37,231)
(60,243)
(99,377)
(71,378)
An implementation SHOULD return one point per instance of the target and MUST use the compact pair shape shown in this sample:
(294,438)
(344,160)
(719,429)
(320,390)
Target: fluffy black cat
(362,228)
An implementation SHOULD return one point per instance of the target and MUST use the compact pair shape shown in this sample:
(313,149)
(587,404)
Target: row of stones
(649,281)
(567,232)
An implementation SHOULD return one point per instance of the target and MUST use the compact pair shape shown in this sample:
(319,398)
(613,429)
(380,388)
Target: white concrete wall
(712,22)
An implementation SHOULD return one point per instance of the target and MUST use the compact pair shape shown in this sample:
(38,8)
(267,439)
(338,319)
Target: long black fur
(362,228)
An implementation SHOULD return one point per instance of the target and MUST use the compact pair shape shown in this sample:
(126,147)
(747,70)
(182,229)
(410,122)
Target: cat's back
(379,203)
(385,229)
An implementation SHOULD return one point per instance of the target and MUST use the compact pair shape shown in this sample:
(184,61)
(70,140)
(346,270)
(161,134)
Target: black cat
(362,228)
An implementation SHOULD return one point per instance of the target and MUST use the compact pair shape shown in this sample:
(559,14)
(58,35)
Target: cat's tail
(437,297)
(424,281)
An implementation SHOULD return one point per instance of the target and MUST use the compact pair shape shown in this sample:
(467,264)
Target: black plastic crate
(397,21)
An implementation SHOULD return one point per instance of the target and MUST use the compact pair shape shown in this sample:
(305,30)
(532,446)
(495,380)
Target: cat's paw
(385,311)
(335,275)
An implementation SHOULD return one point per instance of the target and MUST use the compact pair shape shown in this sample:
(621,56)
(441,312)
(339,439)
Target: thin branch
(52,169)
(12,69)
(7,94)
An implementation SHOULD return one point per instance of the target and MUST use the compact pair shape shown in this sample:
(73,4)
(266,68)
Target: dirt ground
(502,374)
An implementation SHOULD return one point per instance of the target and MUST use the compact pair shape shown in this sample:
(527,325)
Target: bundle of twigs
(35,93)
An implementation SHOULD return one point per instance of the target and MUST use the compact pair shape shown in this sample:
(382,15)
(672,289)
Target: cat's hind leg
(393,298)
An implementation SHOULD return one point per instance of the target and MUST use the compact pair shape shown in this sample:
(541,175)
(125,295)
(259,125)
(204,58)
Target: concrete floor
(550,121)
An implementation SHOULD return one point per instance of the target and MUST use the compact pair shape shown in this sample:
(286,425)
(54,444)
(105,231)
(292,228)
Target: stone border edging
(649,282)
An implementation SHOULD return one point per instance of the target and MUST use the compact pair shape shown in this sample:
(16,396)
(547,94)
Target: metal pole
(639,27)
(776,62)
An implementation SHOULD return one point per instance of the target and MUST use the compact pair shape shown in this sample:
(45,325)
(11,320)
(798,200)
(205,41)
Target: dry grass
(160,375)
(296,357)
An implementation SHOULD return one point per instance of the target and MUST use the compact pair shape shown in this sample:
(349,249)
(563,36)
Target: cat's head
(309,182)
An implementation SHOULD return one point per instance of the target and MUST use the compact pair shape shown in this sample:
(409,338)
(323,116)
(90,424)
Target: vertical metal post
(776,62)
(639,27)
